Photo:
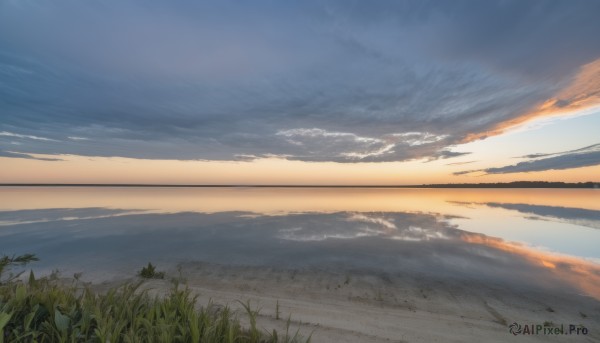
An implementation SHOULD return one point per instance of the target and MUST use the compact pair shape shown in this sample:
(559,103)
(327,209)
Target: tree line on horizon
(518,184)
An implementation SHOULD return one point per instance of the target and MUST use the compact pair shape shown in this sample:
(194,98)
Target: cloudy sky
(360,92)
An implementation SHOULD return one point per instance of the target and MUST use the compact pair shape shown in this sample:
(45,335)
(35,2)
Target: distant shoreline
(517,184)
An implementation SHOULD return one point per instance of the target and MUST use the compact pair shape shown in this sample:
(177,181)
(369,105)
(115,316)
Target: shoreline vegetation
(51,309)
(514,184)
(255,303)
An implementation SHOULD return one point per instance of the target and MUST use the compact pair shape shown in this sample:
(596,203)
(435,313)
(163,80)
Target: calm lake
(514,236)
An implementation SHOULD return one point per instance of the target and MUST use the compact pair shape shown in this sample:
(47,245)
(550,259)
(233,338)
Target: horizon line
(512,184)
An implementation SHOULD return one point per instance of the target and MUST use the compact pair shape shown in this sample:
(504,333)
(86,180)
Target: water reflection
(577,216)
(282,200)
(583,274)
(63,214)
(467,207)
(344,225)
(561,229)
(111,243)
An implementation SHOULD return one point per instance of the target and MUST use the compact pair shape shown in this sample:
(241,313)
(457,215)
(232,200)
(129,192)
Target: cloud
(11,154)
(361,82)
(460,163)
(584,157)
(465,172)
(583,93)
(16,135)
(443,154)
(320,145)
(592,148)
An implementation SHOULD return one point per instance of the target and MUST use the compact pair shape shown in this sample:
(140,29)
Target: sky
(299,92)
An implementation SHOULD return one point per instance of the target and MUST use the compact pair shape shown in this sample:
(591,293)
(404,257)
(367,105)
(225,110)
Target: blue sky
(352,82)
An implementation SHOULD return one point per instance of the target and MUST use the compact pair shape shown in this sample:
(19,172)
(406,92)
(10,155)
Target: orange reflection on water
(285,200)
(580,273)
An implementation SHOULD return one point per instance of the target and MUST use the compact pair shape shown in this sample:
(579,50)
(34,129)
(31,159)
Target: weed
(7,263)
(149,272)
(277,312)
(47,310)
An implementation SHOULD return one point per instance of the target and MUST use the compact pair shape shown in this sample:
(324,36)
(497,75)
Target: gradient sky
(317,92)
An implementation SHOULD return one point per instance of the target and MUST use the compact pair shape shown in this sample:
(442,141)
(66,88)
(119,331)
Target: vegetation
(46,310)
(149,272)
(517,184)
(6,263)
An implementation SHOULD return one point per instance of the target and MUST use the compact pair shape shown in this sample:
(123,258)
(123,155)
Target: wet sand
(361,306)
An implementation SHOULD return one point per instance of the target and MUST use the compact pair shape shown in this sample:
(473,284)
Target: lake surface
(517,237)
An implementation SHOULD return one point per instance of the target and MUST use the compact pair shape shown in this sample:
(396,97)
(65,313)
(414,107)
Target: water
(518,237)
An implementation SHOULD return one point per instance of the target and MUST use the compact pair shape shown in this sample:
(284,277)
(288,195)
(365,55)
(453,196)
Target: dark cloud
(584,157)
(460,163)
(314,81)
(593,147)
(27,156)
(464,172)
(443,154)
(535,38)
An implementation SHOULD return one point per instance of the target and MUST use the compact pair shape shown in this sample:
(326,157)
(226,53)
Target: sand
(358,306)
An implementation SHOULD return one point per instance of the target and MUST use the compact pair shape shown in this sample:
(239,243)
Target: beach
(358,306)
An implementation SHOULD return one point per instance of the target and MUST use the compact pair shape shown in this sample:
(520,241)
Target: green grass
(46,310)
(149,272)
(7,263)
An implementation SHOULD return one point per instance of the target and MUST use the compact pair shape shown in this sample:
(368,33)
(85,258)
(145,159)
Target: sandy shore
(343,306)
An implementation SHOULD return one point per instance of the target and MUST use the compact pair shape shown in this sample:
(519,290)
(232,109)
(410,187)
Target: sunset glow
(373,171)
(307,93)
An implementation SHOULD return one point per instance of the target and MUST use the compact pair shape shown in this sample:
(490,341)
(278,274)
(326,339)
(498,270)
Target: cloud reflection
(572,215)
(577,216)
(98,241)
(405,226)
(581,273)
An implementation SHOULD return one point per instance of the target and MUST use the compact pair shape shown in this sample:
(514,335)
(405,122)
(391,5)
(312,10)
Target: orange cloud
(582,93)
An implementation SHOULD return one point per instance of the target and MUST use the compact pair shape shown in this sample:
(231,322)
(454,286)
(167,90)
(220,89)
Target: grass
(7,263)
(46,310)
(149,272)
